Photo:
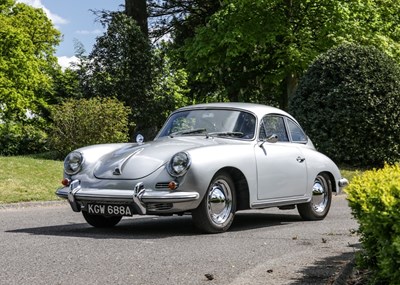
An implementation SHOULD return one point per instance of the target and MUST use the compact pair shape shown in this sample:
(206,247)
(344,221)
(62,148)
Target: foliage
(19,138)
(374,198)
(124,65)
(179,17)
(348,102)
(169,88)
(82,122)
(24,179)
(27,45)
(120,66)
(67,85)
(255,50)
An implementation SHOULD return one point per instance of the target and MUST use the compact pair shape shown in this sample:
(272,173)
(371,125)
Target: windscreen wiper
(227,134)
(189,132)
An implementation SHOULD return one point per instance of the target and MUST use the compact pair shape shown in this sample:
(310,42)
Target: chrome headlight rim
(73,163)
(179,164)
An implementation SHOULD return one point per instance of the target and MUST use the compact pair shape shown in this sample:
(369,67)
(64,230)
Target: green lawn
(349,173)
(25,179)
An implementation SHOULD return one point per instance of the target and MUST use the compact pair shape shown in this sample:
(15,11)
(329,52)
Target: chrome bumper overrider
(138,197)
(343,182)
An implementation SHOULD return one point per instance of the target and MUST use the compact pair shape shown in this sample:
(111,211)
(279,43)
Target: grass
(27,178)
(349,173)
(24,179)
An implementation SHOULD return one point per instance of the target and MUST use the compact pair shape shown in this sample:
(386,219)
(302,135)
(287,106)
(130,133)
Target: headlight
(179,164)
(73,163)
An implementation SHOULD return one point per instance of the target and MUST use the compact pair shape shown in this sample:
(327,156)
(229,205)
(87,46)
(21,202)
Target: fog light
(173,185)
(65,182)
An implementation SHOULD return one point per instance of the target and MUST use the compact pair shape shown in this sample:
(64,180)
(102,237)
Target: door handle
(300,159)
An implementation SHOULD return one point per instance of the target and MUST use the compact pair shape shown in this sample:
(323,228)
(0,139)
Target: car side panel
(318,163)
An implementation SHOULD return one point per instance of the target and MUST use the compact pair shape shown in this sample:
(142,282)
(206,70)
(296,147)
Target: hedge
(374,198)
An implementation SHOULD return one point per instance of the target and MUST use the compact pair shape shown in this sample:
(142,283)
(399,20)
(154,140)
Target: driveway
(49,244)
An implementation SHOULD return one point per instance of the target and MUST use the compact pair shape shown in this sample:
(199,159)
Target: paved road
(53,245)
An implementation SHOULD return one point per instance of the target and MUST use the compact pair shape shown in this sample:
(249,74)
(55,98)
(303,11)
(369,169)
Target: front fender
(206,162)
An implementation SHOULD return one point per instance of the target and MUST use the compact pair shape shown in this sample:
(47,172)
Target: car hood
(138,161)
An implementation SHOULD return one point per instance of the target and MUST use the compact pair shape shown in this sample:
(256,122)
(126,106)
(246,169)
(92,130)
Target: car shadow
(253,220)
(158,227)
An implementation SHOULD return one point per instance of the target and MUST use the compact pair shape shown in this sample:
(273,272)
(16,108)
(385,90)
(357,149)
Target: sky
(75,21)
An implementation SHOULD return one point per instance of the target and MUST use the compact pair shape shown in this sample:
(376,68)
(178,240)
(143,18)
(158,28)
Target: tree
(67,85)
(137,9)
(179,18)
(119,66)
(349,98)
(27,46)
(169,88)
(263,46)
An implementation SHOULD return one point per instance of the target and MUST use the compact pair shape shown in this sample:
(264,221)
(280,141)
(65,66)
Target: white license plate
(109,210)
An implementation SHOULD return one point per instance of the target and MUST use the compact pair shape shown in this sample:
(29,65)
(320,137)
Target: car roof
(258,109)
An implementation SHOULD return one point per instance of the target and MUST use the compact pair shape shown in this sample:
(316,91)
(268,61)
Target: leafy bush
(348,101)
(82,122)
(21,138)
(374,198)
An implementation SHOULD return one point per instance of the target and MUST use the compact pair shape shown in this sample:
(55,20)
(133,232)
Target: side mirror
(271,139)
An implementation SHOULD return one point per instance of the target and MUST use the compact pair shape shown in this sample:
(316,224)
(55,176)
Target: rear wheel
(321,199)
(101,221)
(216,212)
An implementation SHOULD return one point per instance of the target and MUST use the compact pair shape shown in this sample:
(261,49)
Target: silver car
(209,160)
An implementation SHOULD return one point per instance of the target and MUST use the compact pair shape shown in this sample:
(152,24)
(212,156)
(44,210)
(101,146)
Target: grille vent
(159,206)
(162,185)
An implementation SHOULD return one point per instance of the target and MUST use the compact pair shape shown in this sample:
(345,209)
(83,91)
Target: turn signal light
(172,185)
(65,182)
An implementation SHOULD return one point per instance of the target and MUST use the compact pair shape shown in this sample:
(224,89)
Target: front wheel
(216,212)
(321,199)
(101,221)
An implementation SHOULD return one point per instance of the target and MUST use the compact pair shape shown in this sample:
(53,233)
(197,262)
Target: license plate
(109,210)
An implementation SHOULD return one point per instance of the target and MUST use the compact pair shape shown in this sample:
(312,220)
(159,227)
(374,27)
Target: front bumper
(139,197)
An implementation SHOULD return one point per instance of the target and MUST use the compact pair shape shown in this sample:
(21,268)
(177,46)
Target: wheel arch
(241,187)
(331,180)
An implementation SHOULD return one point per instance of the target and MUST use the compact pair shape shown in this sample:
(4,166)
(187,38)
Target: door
(281,166)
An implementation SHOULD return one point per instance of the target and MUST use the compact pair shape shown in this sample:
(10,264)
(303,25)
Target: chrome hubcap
(319,195)
(219,202)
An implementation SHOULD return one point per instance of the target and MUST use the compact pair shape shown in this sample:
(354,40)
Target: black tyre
(321,199)
(216,212)
(101,221)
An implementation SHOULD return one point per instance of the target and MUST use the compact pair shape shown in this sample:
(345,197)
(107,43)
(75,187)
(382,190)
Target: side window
(273,125)
(296,132)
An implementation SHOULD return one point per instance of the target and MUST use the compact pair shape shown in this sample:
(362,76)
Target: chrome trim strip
(168,196)
(281,202)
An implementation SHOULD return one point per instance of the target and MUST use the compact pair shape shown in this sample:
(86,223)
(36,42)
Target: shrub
(19,138)
(348,101)
(374,198)
(82,122)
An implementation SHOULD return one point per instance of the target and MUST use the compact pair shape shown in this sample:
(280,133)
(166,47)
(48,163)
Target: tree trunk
(289,86)
(137,9)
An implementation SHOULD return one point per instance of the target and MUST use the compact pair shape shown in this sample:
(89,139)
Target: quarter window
(296,132)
